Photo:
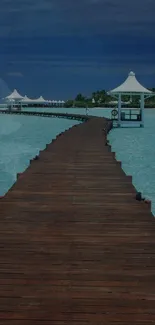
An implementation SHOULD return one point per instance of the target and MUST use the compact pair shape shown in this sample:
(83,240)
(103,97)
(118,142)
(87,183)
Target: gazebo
(14,99)
(39,100)
(54,103)
(26,101)
(60,102)
(129,117)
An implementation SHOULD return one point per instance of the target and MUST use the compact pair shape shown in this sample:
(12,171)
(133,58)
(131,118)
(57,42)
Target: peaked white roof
(14,95)
(26,99)
(130,85)
(39,100)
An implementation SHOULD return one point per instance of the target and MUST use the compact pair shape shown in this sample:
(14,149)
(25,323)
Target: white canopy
(14,95)
(130,85)
(26,99)
(39,100)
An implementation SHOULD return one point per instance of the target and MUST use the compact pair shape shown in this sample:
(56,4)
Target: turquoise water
(21,138)
(92,111)
(135,147)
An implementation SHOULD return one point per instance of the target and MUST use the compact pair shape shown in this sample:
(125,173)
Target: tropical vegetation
(100,98)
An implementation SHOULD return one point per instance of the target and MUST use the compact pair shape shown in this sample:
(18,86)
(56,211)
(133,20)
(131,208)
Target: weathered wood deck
(75,246)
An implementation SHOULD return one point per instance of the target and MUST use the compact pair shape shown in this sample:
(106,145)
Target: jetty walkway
(76,248)
(70,116)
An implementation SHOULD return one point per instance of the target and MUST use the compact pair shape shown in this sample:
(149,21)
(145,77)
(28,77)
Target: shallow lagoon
(21,138)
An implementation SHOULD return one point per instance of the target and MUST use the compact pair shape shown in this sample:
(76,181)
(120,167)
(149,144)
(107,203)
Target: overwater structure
(14,100)
(130,117)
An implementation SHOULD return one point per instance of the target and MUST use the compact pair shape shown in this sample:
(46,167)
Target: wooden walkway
(69,116)
(76,248)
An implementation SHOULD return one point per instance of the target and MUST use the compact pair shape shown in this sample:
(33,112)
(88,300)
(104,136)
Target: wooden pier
(76,248)
(70,116)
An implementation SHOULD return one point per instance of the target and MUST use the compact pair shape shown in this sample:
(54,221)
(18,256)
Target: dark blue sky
(57,48)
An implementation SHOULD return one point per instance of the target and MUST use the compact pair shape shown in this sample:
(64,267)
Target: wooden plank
(75,246)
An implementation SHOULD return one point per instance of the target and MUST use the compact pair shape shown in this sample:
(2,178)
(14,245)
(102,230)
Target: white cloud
(15,74)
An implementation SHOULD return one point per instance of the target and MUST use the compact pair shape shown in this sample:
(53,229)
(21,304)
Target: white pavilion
(26,100)
(129,117)
(14,100)
(40,100)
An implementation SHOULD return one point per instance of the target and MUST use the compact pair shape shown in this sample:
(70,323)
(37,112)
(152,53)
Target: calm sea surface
(21,138)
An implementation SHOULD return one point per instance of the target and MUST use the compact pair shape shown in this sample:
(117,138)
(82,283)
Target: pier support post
(142,110)
(119,110)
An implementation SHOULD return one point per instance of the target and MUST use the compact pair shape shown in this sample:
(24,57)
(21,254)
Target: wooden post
(142,109)
(119,110)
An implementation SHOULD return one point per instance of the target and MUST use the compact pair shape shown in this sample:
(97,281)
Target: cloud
(34,18)
(15,74)
(81,66)
(48,60)
(90,41)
